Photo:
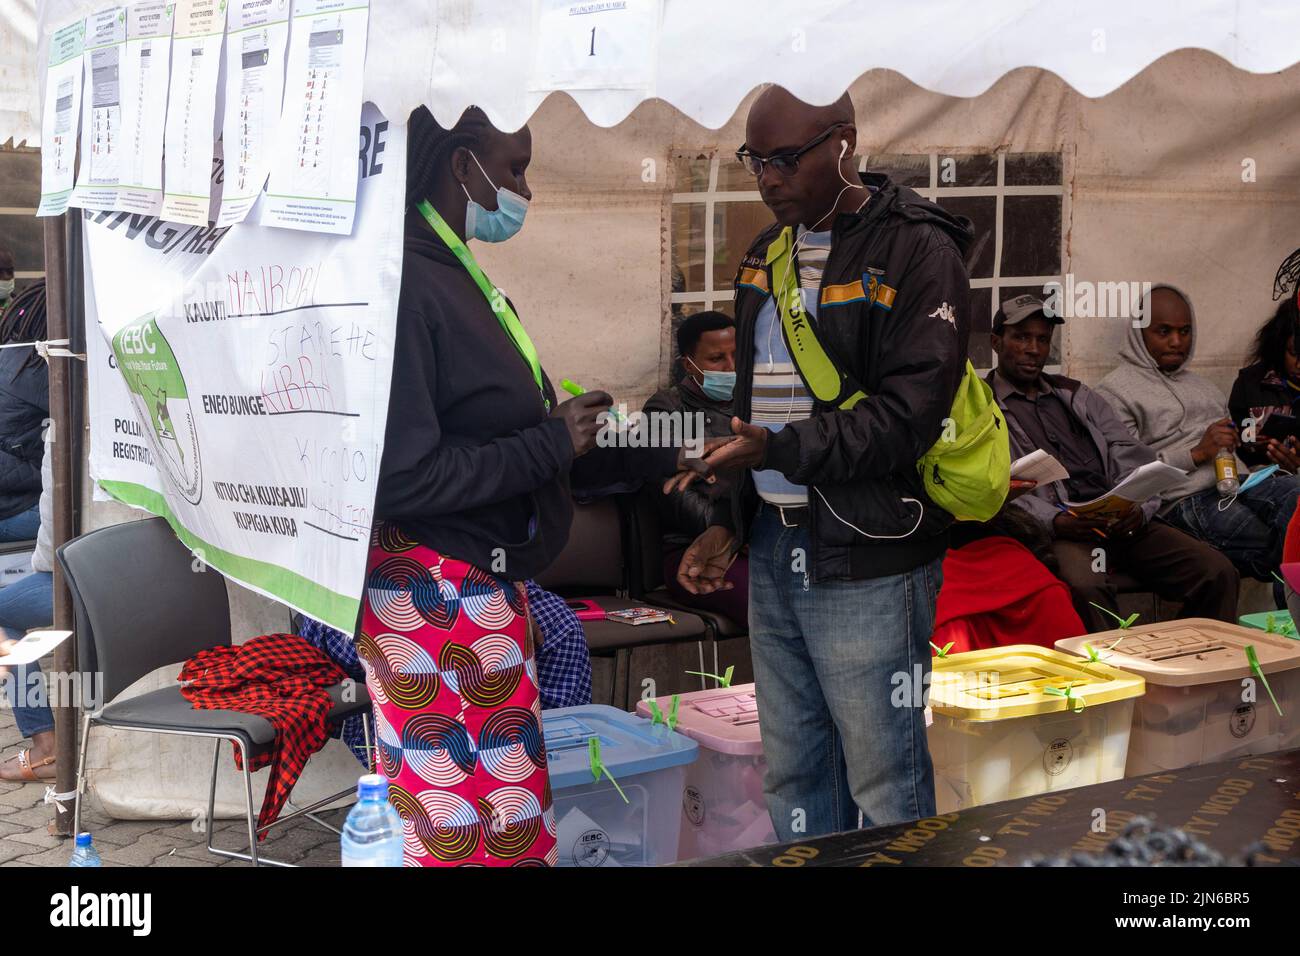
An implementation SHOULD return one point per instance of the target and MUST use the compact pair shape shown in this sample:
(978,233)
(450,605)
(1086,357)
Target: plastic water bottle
(83,854)
(1225,471)
(372,833)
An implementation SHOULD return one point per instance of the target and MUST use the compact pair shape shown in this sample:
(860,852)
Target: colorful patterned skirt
(449,664)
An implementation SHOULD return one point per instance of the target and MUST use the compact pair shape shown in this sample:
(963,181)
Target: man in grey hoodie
(1183,418)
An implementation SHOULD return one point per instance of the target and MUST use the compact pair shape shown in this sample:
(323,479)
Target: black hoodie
(895,312)
(473,466)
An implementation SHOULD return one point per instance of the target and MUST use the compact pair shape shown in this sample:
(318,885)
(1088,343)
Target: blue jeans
(1250,531)
(22,526)
(827,660)
(26,604)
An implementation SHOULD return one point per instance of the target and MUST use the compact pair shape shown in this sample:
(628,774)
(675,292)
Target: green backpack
(967,472)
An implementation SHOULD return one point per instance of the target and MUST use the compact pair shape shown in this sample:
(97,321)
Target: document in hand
(1040,467)
(1139,485)
(33,647)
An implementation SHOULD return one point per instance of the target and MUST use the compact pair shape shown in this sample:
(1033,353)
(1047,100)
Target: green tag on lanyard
(500,307)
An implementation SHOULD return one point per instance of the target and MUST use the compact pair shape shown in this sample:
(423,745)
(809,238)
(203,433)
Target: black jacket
(1258,393)
(685,514)
(473,466)
(24,407)
(903,335)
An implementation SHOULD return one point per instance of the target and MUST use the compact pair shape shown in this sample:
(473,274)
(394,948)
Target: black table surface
(1228,806)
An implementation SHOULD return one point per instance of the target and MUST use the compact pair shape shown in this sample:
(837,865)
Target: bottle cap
(83,839)
(372,786)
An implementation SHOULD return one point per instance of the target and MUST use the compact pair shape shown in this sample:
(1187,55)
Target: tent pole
(62,370)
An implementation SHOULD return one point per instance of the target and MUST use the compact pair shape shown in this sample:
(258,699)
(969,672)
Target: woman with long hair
(1270,386)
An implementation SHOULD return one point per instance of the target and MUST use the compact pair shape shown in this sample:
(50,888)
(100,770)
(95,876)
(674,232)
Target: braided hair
(24,321)
(1288,277)
(429,148)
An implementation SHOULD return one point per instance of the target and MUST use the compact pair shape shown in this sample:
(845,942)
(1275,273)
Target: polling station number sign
(599,44)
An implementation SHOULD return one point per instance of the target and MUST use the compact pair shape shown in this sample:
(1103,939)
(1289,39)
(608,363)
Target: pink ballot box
(722,805)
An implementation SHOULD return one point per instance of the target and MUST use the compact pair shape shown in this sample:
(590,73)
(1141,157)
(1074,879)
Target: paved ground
(25,840)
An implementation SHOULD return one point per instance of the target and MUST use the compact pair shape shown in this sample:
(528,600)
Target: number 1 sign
(596,44)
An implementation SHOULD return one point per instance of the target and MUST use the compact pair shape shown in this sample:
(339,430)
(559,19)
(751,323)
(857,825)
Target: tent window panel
(688,246)
(1033,169)
(982,212)
(20,178)
(735,224)
(691,173)
(905,169)
(979,350)
(1031,236)
(733,177)
(704,258)
(969,170)
(24,235)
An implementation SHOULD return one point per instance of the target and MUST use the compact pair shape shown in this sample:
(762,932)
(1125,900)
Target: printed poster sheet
(314,167)
(192,110)
(101,107)
(255,41)
(59,118)
(242,390)
(146,69)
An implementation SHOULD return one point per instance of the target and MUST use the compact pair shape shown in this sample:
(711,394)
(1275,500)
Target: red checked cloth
(277,676)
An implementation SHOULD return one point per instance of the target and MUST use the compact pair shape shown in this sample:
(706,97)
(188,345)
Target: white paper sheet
(33,647)
(1139,485)
(596,45)
(313,184)
(255,57)
(1040,467)
(59,118)
(146,70)
(192,110)
(101,105)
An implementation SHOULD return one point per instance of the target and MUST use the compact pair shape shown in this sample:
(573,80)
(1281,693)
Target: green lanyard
(500,307)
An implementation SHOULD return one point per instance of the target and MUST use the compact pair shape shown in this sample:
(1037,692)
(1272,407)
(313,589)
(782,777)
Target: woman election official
(473,499)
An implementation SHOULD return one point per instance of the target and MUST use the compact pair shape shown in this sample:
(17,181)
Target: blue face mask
(716,385)
(495,225)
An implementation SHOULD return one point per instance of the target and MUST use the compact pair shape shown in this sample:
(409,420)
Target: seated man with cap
(1077,427)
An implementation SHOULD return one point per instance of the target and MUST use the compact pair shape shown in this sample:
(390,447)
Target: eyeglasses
(784,163)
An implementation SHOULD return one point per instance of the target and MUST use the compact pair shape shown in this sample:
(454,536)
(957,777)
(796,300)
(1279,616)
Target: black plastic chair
(728,640)
(142,601)
(593,566)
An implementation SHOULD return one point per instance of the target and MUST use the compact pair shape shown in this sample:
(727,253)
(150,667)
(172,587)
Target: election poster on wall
(239,381)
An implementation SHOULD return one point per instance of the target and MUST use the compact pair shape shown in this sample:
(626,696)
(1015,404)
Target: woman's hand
(581,415)
(704,564)
(1284,453)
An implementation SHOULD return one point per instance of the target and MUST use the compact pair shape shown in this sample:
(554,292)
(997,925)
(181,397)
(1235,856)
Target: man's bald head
(779,122)
(779,105)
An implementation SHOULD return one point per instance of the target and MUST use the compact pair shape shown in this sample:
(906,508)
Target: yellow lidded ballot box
(1023,720)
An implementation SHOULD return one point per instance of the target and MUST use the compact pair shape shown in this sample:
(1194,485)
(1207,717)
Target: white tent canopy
(704,57)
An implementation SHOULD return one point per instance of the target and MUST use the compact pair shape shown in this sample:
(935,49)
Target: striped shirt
(779,393)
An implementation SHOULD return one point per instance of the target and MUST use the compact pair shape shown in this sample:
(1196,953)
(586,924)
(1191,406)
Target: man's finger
(683,479)
(713,444)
